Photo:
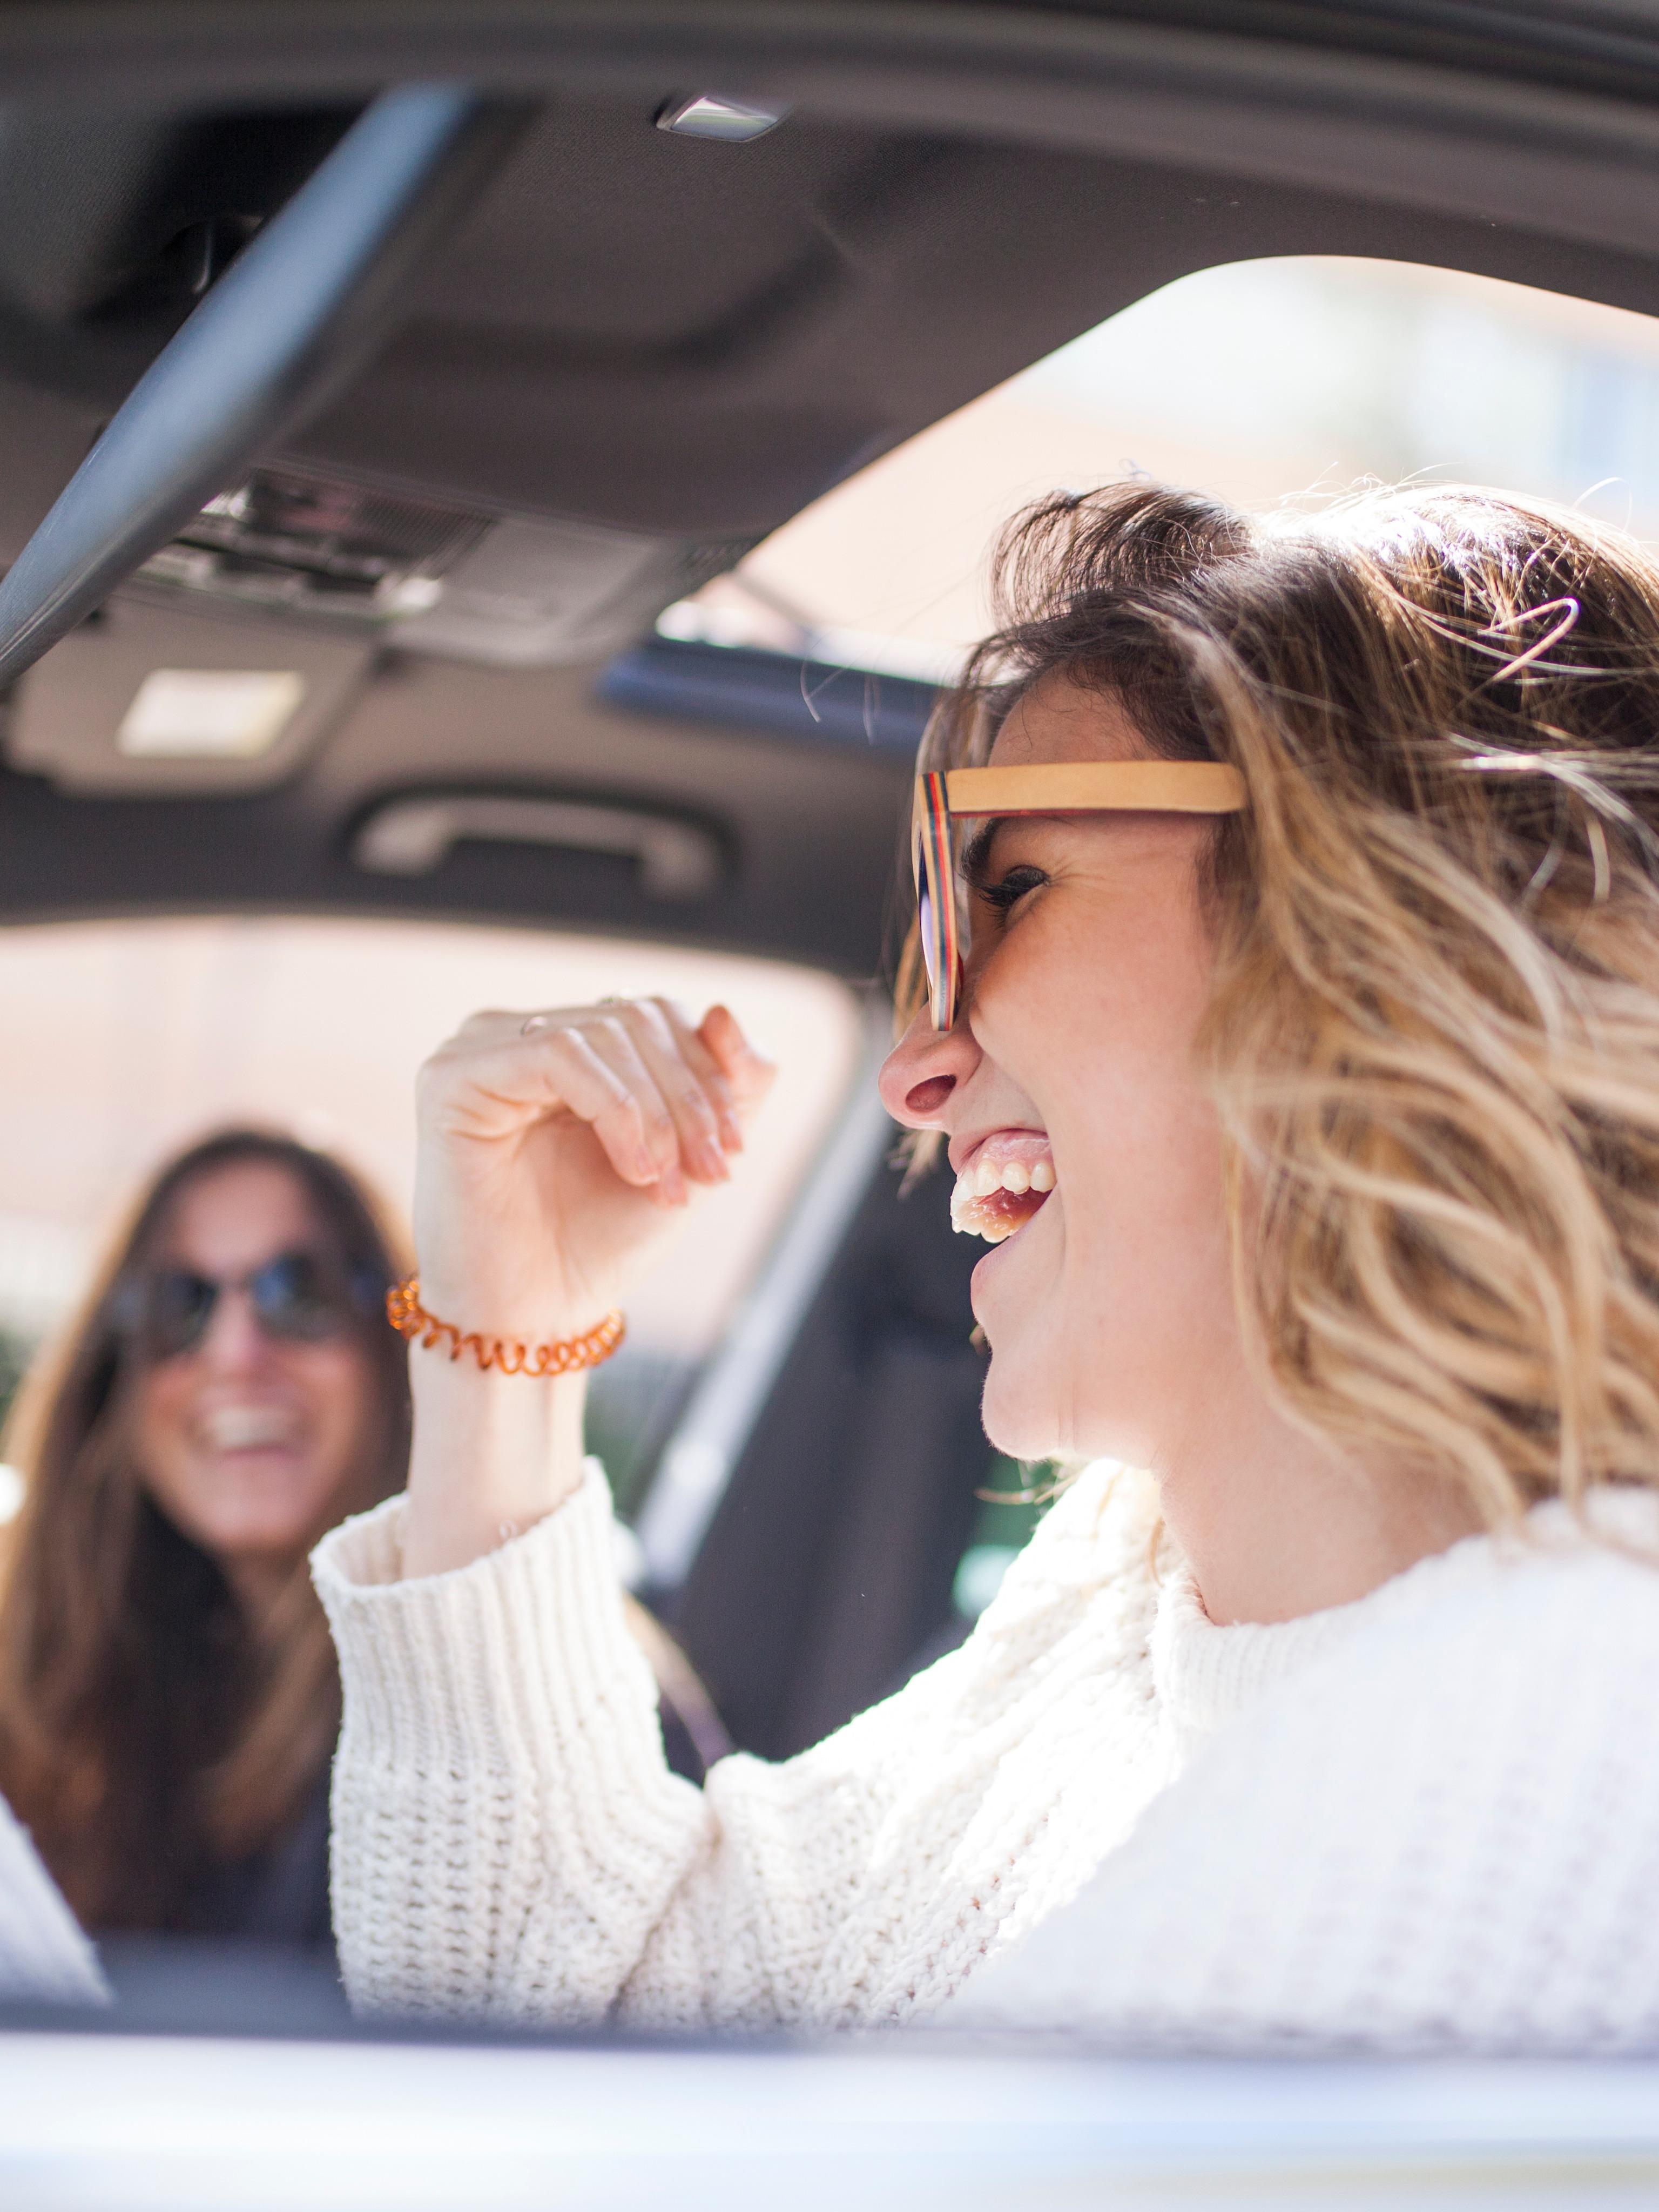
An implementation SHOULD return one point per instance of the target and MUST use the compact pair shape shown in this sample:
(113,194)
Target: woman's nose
(233,1340)
(924,1068)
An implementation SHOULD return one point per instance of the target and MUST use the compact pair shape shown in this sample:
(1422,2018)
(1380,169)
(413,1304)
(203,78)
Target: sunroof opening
(1262,382)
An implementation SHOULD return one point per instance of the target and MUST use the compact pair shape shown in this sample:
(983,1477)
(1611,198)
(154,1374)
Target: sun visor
(149,700)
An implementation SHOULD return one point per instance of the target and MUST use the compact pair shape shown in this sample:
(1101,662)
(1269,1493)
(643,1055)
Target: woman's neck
(258,1582)
(1275,1525)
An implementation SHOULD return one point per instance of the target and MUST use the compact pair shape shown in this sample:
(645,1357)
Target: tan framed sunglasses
(944,795)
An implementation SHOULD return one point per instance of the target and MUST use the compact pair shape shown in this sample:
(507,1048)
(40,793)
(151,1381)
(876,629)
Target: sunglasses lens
(294,1298)
(175,1311)
(936,917)
(927,929)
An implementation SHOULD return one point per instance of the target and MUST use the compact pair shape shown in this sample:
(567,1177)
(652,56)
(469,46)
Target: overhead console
(427,575)
(213,614)
(236,648)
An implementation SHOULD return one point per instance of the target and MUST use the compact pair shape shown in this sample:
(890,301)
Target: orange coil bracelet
(409,1318)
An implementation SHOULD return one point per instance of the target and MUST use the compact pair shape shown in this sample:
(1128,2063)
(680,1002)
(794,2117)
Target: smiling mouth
(1006,1182)
(248,1428)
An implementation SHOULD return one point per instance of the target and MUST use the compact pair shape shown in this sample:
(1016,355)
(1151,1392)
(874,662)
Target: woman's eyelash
(1011,889)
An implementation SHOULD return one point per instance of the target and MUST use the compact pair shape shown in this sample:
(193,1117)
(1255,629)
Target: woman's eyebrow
(976,862)
(974,865)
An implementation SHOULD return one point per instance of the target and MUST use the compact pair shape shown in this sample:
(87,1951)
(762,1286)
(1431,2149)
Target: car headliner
(691,341)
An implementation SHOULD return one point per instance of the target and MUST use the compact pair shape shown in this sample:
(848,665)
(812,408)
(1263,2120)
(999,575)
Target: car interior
(410,651)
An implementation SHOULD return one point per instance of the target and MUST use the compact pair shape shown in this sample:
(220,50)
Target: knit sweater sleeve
(509,1842)
(44,1956)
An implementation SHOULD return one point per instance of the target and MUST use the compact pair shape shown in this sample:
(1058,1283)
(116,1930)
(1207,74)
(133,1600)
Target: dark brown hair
(147,1734)
(1433,1035)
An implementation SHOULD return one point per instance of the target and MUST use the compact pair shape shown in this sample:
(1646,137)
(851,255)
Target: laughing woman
(167,1699)
(1289,915)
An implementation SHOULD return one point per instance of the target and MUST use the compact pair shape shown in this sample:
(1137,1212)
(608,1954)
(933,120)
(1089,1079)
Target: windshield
(1259,381)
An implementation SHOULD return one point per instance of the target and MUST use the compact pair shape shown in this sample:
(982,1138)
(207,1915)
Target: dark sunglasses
(298,1298)
(944,795)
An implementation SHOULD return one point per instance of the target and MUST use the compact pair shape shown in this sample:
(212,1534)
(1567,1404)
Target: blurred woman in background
(169,1698)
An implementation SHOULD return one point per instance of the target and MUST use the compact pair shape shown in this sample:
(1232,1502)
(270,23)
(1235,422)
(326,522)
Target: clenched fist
(558,1150)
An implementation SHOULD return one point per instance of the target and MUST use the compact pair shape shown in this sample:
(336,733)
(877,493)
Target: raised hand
(557,1151)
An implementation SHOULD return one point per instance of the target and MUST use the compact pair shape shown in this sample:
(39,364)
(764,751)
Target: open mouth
(1006,1182)
(246,1427)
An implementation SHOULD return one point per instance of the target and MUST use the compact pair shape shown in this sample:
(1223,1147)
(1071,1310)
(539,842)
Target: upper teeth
(244,1428)
(1018,1176)
(982,1179)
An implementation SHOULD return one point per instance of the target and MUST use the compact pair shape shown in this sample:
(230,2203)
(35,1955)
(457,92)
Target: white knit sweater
(1428,1818)
(45,1958)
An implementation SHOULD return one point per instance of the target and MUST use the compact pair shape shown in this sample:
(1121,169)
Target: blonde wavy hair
(1434,1030)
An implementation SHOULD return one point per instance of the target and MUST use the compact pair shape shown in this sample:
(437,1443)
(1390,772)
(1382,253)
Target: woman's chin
(1025,1306)
(1020,1407)
(1021,1403)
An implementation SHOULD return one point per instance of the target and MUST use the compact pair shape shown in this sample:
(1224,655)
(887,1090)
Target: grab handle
(413,836)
